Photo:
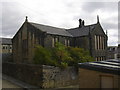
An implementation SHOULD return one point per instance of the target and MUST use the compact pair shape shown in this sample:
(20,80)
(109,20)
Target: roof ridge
(81,27)
(5,38)
(51,29)
(72,28)
(47,25)
(92,24)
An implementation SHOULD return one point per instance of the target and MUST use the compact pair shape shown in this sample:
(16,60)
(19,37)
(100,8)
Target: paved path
(8,84)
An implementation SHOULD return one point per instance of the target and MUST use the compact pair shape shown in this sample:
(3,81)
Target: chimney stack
(81,23)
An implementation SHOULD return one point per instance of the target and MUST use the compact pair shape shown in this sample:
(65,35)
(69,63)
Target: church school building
(90,37)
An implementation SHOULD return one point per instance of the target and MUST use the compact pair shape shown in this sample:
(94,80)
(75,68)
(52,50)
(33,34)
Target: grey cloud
(105,6)
(115,35)
(108,26)
(92,6)
(113,43)
(13,15)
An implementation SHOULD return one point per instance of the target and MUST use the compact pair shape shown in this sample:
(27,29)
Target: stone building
(6,45)
(5,48)
(112,52)
(118,56)
(89,37)
(101,74)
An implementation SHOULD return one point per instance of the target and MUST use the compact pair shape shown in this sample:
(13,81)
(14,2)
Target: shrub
(61,56)
(42,55)
(61,53)
(63,65)
(79,55)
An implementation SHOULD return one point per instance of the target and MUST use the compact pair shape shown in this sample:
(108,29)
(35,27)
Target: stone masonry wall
(42,76)
(31,74)
(55,77)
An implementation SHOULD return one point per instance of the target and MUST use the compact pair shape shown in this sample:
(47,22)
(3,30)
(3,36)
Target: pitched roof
(81,31)
(108,66)
(74,32)
(51,30)
(5,41)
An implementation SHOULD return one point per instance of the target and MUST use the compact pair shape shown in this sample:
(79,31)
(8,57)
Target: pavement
(9,82)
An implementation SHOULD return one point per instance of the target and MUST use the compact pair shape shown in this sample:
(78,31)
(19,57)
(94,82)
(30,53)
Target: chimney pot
(80,22)
(83,23)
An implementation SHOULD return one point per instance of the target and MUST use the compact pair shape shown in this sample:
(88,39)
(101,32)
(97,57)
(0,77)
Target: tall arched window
(99,42)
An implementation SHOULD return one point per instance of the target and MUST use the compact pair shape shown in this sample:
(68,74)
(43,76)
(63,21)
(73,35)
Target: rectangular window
(3,47)
(24,46)
(53,42)
(65,42)
(10,47)
(101,58)
(96,58)
(95,42)
(68,41)
(56,39)
(100,42)
(40,40)
(103,43)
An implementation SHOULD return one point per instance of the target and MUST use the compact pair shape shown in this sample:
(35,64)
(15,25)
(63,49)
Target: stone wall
(6,57)
(31,74)
(55,77)
(42,76)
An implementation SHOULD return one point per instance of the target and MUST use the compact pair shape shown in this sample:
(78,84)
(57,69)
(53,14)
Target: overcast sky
(59,13)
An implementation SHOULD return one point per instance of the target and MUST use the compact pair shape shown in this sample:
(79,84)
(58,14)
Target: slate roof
(74,32)
(81,31)
(109,66)
(5,41)
(51,30)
